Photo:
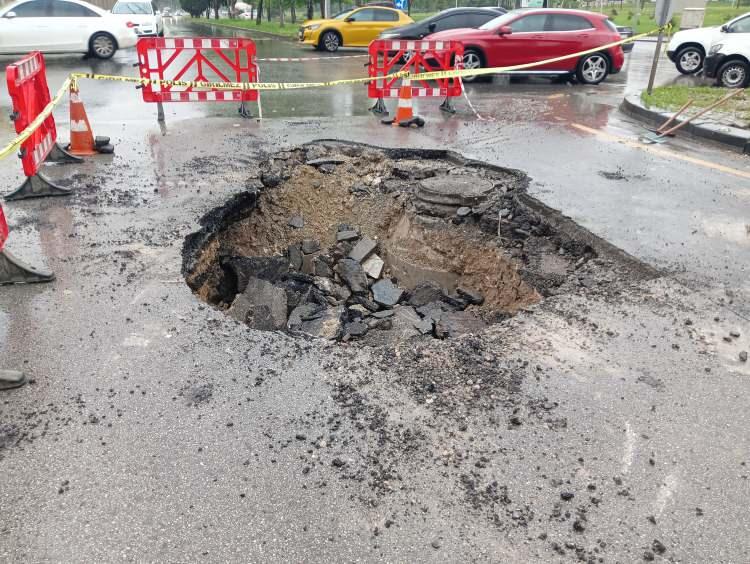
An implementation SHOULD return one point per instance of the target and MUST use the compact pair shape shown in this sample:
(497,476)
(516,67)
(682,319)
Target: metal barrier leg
(15,271)
(159,112)
(447,106)
(60,155)
(37,186)
(380,108)
(244,111)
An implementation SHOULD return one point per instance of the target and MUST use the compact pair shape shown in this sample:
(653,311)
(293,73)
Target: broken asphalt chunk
(353,275)
(386,293)
(362,249)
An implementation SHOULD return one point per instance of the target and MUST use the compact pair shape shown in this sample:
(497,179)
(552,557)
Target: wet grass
(717,13)
(288,30)
(673,97)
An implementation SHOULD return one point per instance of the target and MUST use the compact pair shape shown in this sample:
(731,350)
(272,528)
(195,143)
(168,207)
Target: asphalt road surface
(158,429)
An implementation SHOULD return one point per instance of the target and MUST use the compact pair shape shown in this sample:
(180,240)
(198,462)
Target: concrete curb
(250,30)
(731,137)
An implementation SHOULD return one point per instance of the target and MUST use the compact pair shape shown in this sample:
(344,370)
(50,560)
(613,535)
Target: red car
(527,36)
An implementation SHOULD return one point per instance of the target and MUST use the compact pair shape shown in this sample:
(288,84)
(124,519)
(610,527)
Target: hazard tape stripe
(227,96)
(28,68)
(409,45)
(41,151)
(199,43)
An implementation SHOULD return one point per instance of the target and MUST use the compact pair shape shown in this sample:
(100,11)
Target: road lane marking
(661,152)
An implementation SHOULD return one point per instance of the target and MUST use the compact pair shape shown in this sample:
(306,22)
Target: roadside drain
(355,243)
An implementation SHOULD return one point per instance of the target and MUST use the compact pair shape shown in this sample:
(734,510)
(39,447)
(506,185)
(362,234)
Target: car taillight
(131,24)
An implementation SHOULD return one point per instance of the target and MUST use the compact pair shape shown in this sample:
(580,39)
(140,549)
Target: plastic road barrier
(12,270)
(201,60)
(415,57)
(27,86)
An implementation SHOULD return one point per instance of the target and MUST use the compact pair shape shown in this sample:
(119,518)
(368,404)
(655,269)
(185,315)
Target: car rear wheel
(689,60)
(734,74)
(103,45)
(592,69)
(472,60)
(330,41)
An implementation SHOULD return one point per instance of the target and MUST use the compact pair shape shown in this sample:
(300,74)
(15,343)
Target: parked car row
(722,52)
(492,37)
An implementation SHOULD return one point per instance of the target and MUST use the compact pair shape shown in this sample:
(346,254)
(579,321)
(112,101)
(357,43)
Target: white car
(62,26)
(143,13)
(688,48)
(246,16)
(727,61)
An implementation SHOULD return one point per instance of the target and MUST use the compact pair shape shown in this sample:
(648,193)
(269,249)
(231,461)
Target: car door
(384,19)
(358,27)
(565,34)
(27,27)
(522,45)
(73,24)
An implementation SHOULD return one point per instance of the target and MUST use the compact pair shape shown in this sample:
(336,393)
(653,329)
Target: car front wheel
(103,45)
(734,74)
(592,69)
(689,60)
(472,60)
(330,41)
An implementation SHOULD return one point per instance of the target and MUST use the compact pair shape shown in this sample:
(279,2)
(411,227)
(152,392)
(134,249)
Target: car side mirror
(724,28)
(432,27)
(349,20)
(10,15)
(504,30)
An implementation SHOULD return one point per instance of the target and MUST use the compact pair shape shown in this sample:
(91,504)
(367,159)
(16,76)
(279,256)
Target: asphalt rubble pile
(343,292)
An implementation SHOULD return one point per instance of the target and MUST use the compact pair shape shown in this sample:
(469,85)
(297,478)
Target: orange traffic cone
(404,111)
(81,137)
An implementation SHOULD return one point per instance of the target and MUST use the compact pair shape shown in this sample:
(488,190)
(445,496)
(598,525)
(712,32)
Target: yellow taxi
(355,28)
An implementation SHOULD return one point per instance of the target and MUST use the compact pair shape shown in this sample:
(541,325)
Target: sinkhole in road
(351,242)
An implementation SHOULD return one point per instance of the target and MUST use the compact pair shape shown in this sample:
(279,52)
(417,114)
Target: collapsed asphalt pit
(354,243)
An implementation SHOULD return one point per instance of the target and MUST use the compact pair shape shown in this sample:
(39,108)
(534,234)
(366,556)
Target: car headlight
(715,48)
(388,35)
(312,27)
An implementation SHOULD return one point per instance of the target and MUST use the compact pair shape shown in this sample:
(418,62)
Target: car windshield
(132,8)
(500,20)
(342,15)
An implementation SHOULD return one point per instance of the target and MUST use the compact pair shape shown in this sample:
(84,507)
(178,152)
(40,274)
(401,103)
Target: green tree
(194,7)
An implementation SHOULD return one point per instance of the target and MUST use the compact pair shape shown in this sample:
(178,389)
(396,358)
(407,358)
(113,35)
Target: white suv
(143,13)
(728,61)
(688,48)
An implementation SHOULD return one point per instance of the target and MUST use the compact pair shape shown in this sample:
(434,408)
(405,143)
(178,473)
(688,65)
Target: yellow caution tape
(74,77)
(32,127)
(401,74)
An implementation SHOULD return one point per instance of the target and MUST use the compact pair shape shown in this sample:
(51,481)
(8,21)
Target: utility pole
(663,15)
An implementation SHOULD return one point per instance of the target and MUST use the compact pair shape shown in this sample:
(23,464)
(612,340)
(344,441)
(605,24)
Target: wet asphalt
(145,435)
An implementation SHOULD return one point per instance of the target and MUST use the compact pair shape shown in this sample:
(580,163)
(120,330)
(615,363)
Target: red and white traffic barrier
(13,270)
(390,57)
(27,86)
(197,59)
